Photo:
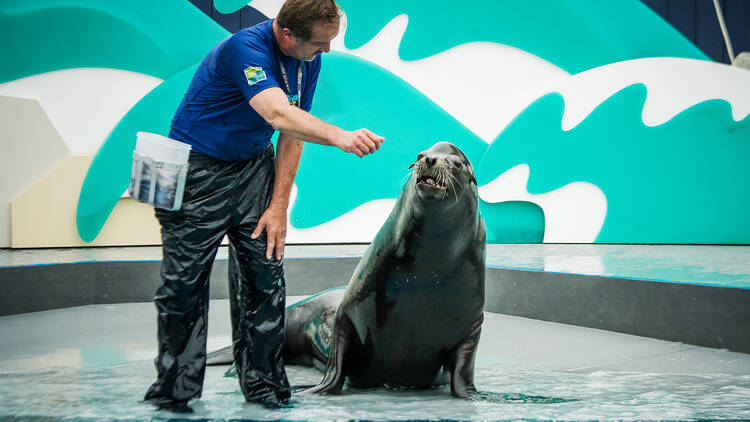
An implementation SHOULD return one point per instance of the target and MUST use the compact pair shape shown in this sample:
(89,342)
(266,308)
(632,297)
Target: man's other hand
(273,221)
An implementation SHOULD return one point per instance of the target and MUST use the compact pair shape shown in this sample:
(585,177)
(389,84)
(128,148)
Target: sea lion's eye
(457,164)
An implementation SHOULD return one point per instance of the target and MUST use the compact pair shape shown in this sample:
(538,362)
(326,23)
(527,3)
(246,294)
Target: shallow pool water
(114,393)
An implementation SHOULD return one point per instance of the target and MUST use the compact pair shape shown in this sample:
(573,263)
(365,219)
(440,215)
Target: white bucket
(159,171)
(162,149)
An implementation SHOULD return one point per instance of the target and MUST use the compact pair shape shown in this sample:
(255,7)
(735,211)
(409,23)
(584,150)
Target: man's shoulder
(259,33)
(248,43)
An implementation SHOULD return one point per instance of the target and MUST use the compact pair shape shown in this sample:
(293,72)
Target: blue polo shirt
(214,115)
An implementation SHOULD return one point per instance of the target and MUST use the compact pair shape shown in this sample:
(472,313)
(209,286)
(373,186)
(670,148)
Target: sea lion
(411,314)
(307,331)
(412,311)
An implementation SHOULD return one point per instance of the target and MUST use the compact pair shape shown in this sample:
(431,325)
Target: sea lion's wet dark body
(411,314)
(307,331)
(413,308)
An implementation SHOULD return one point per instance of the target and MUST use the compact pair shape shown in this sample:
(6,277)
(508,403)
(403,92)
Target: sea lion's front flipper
(461,364)
(335,375)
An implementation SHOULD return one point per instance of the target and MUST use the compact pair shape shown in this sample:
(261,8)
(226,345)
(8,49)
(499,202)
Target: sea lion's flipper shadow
(516,398)
(335,375)
(223,356)
(461,362)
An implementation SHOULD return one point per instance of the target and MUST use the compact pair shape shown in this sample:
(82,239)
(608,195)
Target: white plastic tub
(162,149)
(159,171)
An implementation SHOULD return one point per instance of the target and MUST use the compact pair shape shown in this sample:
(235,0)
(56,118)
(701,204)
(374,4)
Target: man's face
(319,42)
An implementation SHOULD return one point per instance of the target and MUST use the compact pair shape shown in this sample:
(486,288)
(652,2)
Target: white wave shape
(83,104)
(269,8)
(574,213)
(673,85)
(483,85)
(359,225)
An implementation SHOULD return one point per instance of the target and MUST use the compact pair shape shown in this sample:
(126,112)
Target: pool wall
(703,315)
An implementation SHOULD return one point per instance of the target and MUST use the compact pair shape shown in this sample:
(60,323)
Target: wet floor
(95,363)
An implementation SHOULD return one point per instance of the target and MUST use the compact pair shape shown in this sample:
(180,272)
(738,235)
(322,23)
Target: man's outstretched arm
(273,106)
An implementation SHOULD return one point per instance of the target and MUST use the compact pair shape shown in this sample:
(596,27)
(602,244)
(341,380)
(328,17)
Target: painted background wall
(586,121)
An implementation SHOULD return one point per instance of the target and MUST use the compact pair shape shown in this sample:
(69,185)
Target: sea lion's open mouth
(430,181)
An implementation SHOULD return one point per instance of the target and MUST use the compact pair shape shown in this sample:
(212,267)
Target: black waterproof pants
(220,198)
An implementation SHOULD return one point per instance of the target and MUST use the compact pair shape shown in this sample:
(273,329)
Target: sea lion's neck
(435,219)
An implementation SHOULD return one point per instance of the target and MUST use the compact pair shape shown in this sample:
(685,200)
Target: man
(260,79)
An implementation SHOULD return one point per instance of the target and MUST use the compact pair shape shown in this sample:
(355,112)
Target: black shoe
(273,403)
(175,406)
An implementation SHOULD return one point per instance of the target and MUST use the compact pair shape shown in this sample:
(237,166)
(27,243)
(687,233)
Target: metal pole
(724,32)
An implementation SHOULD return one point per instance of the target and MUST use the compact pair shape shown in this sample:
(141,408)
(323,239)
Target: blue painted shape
(685,181)
(682,17)
(230,21)
(250,16)
(737,16)
(658,6)
(708,33)
(109,174)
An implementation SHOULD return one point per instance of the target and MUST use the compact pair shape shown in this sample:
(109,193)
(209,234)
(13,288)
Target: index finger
(373,136)
(258,230)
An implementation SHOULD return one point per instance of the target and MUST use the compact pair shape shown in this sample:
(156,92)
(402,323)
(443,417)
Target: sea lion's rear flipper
(461,363)
(223,356)
(335,375)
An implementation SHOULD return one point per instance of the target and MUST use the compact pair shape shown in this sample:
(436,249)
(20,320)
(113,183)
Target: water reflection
(114,392)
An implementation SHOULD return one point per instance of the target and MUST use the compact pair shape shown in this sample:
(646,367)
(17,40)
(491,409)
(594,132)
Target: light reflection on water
(114,393)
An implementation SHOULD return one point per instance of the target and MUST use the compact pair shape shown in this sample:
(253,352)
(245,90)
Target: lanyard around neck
(298,102)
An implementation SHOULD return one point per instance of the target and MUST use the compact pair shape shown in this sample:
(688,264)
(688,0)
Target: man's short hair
(300,16)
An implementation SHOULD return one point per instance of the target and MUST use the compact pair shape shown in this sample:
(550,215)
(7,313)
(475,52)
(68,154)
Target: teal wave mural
(513,221)
(575,35)
(155,38)
(109,174)
(611,149)
(229,6)
(685,181)
(331,183)
(681,182)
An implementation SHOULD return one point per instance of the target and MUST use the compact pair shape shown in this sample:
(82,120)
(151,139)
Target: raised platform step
(692,294)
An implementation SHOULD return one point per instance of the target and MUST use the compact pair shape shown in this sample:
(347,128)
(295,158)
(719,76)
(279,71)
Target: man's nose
(327,48)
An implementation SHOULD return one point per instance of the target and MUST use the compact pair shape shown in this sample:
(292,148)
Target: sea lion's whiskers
(442,179)
(450,182)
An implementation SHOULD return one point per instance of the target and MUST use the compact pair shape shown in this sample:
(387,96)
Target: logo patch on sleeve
(254,75)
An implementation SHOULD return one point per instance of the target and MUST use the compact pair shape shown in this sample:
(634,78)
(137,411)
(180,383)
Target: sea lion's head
(443,172)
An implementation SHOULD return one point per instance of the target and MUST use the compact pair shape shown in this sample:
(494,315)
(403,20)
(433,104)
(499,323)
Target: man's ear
(286,33)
